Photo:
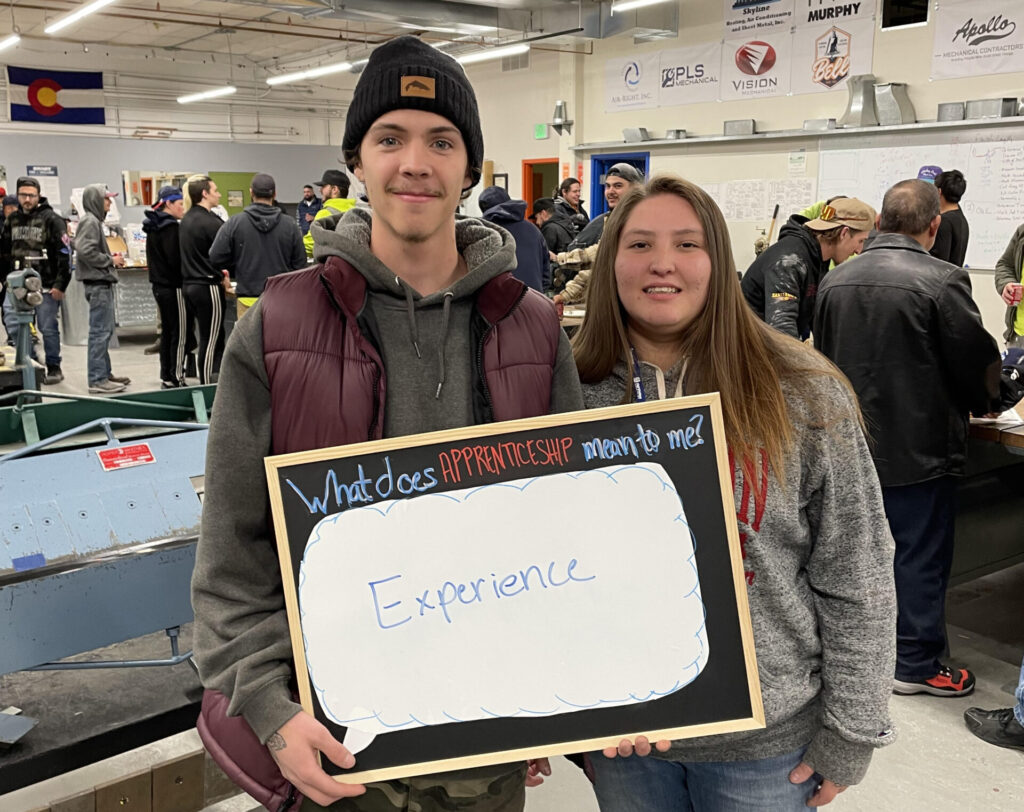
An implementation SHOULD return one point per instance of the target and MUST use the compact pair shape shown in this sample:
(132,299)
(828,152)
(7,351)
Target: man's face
(325,191)
(307,193)
(614,189)
(28,197)
(106,204)
(572,194)
(542,217)
(9,210)
(850,243)
(212,195)
(175,208)
(414,165)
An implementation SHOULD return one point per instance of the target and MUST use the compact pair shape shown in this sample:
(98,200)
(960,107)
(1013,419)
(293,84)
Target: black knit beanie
(406,73)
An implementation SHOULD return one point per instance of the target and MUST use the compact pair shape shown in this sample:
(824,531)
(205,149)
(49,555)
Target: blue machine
(97,543)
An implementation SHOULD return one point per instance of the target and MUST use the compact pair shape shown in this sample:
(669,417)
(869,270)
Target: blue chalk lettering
(571,567)
(506,584)
(377,607)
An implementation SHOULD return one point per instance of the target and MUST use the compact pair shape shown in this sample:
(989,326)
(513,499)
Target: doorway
(540,177)
(599,164)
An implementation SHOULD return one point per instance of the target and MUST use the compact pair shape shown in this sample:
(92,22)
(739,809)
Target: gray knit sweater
(818,564)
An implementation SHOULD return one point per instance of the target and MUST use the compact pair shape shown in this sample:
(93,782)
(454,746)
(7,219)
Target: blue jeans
(101,330)
(47,320)
(651,784)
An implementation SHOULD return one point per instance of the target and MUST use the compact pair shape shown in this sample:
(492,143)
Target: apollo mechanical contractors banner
(749,17)
(690,75)
(978,37)
(631,83)
(824,56)
(756,67)
(838,12)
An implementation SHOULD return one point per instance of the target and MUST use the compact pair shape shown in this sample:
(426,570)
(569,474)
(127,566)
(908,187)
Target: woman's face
(662,268)
(572,194)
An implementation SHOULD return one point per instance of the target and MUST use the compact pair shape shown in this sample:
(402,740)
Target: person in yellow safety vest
(333,191)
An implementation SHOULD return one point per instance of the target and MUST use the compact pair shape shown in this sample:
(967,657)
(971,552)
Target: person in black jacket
(257,244)
(533,265)
(203,283)
(554,227)
(32,230)
(905,330)
(569,205)
(782,283)
(954,232)
(163,256)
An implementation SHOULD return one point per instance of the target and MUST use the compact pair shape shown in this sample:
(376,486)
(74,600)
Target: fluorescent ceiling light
(493,53)
(75,16)
(13,39)
(629,5)
(207,94)
(312,73)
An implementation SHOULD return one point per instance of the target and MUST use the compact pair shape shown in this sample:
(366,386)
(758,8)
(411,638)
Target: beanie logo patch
(418,86)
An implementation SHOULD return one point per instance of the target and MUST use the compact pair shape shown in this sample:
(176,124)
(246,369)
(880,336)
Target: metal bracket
(174,659)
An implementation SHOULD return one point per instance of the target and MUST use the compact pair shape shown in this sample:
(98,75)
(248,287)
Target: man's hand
(641,747)
(309,218)
(536,770)
(57,294)
(294,748)
(225,282)
(1008,293)
(553,255)
(119,261)
(825,794)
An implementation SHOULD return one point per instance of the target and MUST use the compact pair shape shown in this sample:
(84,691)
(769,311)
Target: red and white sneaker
(947,682)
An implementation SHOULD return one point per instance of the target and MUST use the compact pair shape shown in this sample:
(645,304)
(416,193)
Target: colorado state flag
(55,96)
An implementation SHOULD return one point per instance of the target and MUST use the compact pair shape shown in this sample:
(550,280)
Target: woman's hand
(641,747)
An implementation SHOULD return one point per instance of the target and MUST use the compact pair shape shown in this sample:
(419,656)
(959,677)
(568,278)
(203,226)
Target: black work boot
(999,727)
(53,374)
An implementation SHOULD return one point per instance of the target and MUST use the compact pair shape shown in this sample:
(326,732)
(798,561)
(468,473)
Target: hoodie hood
(263,217)
(92,200)
(153,221)
(511,211)
(794,227)
(488,251)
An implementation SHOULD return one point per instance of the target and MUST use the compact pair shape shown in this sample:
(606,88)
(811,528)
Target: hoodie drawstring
(410,308)
(448,296)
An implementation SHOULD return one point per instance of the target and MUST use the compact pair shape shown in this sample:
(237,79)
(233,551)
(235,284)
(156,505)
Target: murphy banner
(978,37)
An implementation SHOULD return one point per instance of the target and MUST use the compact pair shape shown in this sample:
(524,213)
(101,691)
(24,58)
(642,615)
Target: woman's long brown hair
(729,350)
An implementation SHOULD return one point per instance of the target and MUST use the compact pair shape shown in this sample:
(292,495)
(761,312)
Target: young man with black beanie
(400,329)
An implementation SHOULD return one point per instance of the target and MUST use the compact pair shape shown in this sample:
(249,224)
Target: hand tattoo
(276,742)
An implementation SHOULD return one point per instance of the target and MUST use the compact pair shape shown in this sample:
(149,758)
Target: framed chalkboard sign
(521,589)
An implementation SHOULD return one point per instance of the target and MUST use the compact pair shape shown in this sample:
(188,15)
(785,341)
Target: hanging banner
(839,12)
(690,75)
(631,83)
(977,38)
(824,56)
(750,17)
(756,68)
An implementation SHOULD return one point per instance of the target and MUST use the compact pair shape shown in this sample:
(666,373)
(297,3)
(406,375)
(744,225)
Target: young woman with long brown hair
(666,317)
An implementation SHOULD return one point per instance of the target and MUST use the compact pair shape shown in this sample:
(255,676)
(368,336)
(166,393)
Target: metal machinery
(25,288)
(99,518)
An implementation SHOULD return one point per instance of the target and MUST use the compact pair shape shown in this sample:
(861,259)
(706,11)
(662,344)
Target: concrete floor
(934,764)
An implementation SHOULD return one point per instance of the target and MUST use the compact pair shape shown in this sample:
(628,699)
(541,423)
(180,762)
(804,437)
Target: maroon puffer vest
(328,387)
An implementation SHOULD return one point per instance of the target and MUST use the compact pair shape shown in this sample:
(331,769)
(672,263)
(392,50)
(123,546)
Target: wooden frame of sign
(513,590)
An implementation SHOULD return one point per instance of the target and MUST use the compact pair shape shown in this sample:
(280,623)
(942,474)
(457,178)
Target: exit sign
(540,131)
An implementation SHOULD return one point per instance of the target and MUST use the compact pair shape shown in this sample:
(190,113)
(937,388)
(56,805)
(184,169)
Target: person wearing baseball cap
(904,328)
(334,187)
(163,256)
(782,282)
(257,243)
(411,322)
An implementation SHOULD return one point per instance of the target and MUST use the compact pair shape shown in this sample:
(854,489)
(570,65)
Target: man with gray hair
(903,327)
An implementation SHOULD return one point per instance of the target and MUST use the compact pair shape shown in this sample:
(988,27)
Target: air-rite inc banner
(978,37)
(631,83)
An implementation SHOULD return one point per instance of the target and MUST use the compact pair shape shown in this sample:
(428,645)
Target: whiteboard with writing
(994,170)
(521,589)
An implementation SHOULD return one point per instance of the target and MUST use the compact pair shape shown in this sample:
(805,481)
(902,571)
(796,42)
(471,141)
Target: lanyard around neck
(640,393)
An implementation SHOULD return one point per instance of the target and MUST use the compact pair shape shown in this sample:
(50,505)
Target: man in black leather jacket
(903,327)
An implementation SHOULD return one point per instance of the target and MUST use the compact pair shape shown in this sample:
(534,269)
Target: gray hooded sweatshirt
(817,555)
(93,262)
(241,641)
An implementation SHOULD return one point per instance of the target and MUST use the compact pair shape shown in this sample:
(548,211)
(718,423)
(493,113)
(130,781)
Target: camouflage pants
(506,793)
